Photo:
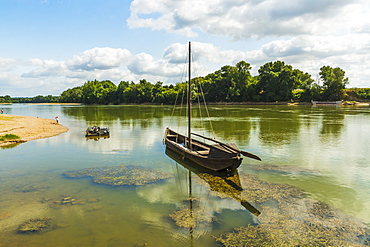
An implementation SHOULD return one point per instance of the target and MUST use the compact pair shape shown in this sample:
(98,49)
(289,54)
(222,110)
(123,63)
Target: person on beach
(2,110)
(57,119)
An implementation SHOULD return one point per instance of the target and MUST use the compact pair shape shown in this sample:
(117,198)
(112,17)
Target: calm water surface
(332,142)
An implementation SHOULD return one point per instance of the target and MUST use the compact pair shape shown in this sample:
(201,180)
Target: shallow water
(323,151)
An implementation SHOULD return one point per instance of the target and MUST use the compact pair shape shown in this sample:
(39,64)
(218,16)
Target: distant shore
(355,103)
(28,128)
(43,103)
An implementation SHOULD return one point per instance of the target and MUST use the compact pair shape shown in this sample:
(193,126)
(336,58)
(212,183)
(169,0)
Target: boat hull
(231,160)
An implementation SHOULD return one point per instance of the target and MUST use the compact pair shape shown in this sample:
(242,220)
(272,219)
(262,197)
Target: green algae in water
(186,218)
(293,220)
(36,225)
(124,175)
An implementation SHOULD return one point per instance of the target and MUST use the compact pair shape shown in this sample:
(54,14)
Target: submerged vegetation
(119,175)
(36,225)
(183,217)
(288,217)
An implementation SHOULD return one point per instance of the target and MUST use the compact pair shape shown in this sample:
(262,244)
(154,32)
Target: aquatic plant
(288,218)
(257,190)
(191,214)
(190,218)
(36,225)
(128,175)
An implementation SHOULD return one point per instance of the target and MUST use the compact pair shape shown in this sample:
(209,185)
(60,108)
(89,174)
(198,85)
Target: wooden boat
(217,157)
(96,131)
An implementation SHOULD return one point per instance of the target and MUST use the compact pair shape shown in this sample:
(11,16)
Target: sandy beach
(28,128)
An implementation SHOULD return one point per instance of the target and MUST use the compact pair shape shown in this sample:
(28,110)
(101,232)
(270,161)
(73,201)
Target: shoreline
(28,128)
(42,103)
(353,103)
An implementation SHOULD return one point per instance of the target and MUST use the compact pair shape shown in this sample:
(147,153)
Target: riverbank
(28,128)
(355,103)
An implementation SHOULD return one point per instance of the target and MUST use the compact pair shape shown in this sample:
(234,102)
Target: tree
(334,81)
(96,92)
(278,80)
(5,99)
(211,88)
(240,81)
(119,95)
(228,84)
(146,91)
(71,95)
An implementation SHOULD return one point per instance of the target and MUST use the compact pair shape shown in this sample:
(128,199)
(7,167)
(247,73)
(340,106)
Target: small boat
(96,131)
(316,103)
(216,157)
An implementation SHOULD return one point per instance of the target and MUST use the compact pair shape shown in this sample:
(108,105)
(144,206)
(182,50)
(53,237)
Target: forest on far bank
(276,81)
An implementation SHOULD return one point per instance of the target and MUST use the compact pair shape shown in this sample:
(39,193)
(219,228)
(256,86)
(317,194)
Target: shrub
(8,137)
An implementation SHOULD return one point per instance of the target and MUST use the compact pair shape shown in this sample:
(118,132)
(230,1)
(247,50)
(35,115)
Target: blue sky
(48,46)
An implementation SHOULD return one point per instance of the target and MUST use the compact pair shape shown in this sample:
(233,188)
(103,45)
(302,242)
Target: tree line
(276,81)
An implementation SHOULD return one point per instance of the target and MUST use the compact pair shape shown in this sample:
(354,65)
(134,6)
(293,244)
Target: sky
(48,46)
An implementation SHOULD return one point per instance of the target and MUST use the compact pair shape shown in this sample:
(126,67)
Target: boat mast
(189,100)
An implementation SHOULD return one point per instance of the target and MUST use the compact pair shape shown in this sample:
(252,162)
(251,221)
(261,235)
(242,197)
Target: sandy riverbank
(28,128)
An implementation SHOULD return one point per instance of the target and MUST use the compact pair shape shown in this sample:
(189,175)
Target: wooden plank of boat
(231,146)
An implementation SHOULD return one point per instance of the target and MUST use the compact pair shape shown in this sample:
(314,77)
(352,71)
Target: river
(322,151)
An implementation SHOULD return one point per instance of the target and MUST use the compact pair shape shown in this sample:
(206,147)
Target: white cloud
(310,33)
(99,59)
(245,19)
(307,53)
(46,68)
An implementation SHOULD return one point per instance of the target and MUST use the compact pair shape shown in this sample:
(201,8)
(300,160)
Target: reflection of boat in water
(225,182)
(97,138)
(218,156)
(96,131)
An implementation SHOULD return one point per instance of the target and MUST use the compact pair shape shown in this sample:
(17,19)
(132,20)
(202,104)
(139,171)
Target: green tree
(241,79)
(71,95)
(145,91)
(98,92)
(120,92)
(334,81)
(278,80)
(5,99)
(218,86)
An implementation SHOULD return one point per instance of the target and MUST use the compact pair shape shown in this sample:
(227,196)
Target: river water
(323,151)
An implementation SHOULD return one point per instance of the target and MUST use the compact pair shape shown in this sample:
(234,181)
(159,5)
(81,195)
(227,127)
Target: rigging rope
(208,116)
(199,90)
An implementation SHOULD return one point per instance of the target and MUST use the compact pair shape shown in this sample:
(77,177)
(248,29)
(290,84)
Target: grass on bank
(8,137)
(5,118)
